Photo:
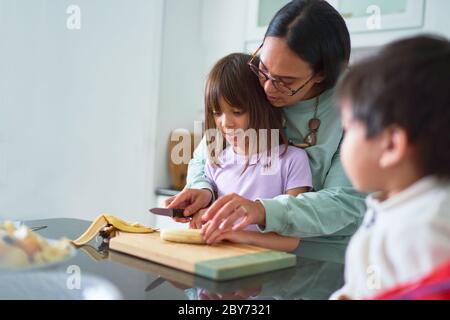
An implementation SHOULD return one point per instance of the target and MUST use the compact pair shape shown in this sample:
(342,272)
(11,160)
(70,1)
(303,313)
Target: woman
(306,48)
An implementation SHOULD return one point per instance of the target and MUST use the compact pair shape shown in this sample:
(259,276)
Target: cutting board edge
(242,266)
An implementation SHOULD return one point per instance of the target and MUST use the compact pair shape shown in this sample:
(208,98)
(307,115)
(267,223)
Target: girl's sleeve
(298,170)
(335,210)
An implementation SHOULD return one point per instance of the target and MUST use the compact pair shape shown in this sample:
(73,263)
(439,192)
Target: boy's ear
(394,147)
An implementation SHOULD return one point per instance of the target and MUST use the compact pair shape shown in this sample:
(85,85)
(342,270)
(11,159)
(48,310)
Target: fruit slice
(192,236)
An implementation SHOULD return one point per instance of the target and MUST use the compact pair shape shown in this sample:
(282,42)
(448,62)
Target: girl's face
(231,122)
(283,64)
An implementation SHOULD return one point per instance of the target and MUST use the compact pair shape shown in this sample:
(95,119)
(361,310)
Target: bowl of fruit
(22,249)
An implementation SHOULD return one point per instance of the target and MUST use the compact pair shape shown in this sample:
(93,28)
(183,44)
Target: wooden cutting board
(220,262)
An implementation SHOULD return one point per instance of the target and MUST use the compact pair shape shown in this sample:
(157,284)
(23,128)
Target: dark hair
(232,79)
(317,33)
(407,84)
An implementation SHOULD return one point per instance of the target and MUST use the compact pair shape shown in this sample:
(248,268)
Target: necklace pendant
(314,124)
(311,139)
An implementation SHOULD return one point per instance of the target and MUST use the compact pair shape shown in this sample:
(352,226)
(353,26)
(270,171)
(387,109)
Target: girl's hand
(191,200)
(196,221)
(235,237)
(226,211)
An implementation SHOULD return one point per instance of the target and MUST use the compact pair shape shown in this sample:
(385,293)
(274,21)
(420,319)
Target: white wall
(196,34)
(77,108)
(224,28)
(182,78)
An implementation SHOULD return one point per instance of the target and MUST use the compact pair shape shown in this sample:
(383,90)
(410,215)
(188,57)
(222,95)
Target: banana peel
(106,220)
(93,253)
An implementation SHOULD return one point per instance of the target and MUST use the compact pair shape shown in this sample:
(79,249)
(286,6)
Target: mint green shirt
(334,210)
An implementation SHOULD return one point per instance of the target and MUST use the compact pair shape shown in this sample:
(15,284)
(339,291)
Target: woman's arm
(336,210)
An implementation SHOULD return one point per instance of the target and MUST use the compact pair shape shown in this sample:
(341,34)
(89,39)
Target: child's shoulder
(293,155)
(293,152)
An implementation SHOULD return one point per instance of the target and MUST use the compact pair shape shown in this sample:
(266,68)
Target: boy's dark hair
(317,33)
(407,84)
(232,79)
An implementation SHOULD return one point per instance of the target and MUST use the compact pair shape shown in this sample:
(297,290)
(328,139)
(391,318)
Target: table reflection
(318,273)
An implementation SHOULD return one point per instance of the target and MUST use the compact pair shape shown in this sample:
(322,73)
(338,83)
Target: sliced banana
(192,236)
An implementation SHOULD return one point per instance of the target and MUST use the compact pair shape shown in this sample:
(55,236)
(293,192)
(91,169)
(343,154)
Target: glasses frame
(275,82)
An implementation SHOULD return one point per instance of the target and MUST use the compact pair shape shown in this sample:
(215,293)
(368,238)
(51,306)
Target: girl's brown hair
(232,79)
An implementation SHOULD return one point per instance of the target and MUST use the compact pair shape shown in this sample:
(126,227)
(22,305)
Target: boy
(395,111)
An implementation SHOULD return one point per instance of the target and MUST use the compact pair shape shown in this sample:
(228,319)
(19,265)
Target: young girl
(249,152)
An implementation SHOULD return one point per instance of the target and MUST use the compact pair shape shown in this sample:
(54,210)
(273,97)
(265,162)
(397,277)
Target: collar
(407,195)
(230,156)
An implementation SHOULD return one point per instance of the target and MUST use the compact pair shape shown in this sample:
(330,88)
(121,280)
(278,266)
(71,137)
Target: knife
(156,283)
(172,213)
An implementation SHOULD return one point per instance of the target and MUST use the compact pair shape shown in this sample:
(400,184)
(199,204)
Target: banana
(105,220)
(192,236)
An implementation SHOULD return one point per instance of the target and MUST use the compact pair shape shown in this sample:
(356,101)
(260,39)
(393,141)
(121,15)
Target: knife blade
(156,283)
(172,213)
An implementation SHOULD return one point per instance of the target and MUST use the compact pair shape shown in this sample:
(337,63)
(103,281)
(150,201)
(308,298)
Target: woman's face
(283,64)
(231,122)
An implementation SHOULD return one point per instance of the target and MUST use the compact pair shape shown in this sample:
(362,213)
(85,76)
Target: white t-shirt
(401,239)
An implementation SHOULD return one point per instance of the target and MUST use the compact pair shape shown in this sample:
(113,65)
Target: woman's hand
(196,220)
(191,200)
(223,214)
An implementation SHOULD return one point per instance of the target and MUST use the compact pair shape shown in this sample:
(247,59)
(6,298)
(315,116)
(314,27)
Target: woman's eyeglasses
(265,76)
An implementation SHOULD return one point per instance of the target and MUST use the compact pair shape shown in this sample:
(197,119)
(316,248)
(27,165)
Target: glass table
(104,273)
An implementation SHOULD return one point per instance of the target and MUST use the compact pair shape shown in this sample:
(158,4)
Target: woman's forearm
(334,211)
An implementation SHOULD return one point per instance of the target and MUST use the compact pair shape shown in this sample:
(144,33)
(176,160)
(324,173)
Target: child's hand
(196,221)
(191,200)
(227,211)
(182,220)
(234,236)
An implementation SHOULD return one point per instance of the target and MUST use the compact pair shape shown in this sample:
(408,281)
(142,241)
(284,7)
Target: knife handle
(178,213)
